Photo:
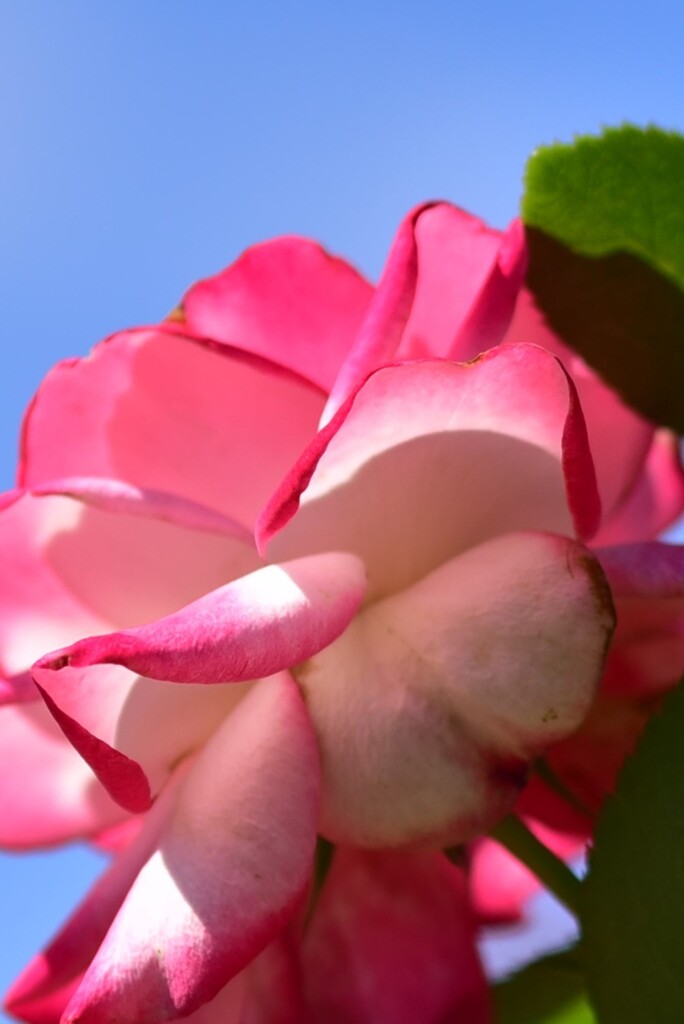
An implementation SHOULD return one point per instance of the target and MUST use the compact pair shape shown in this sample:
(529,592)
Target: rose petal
(288,300)
(431,704)
(126,499)
(656,500)
(165,411)
(392,942)
(61,965)
(50,794)
(619,438)
(647,580)
(428,459)
(439,263)
(231,866)
(250,628)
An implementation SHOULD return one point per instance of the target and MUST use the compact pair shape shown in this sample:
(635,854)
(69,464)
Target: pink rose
(418,620)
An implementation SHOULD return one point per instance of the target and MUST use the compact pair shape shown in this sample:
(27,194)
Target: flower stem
(516,837)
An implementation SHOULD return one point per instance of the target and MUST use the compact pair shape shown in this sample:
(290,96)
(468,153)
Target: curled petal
(253,627)
(429,459)
(447,275)
(230,868)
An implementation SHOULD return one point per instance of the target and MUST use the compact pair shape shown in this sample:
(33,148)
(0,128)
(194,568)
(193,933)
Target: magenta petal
(392,942)
(51,794)
(490,315)
(231,867)
(444,265)
(288,300)
(253,627)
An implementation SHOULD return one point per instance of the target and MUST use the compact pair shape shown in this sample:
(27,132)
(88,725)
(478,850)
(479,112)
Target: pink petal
(500,884)
(37,611)
(440,261)
(647,580)
(491,312)
(655,501)
(50,794)
(164,411)
(126,499)
(250,628)
(60,966)
(392,942)
(428,459)
(618,437)
(288,300)
(73,570)
(231,866)
(431,704)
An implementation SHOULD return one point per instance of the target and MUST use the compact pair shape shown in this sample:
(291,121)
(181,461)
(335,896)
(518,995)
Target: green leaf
(550,991)
(617,192)
(633,900)
(605,227)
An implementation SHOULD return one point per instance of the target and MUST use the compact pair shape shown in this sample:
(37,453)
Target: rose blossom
(426,624)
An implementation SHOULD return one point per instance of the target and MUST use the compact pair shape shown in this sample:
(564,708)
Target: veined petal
(429,459)
(230,868)
(253,627)
(430,706)
(288,300)
(163,410)
(392,942)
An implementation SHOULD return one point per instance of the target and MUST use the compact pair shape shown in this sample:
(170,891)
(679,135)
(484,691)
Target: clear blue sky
(145,144)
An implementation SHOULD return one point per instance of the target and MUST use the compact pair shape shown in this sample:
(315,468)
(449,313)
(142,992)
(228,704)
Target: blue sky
(144,145)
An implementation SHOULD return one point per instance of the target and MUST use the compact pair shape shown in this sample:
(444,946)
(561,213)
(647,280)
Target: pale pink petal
(127,499)
(250,628)
(50,794)
(431,704)
(165,411)
(288,300)
(619,437)
(72,570)
(440,263)
(37,610)
(231,867)
(656,500)
(429,459)
(392,942)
